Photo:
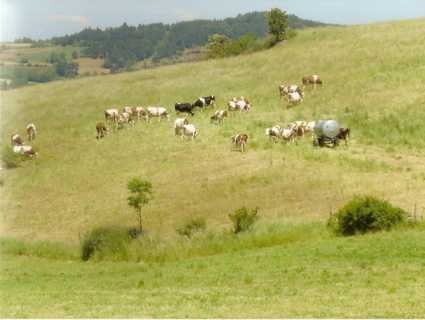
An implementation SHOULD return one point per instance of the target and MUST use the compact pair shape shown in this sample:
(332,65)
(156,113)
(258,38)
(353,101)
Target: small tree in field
(140,195)
(278,24)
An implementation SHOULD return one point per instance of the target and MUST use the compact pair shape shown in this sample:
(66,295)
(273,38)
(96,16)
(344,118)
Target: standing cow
(202,102)
(189,130)
(313,79)
(31,131)
(112,115)
(101,130)
(158,112)
(240,140)
(179,126)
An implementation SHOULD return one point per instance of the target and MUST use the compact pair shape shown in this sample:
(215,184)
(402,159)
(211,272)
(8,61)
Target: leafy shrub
(192,226)
(102,242)
(243,219)
(366,214)
(10,159)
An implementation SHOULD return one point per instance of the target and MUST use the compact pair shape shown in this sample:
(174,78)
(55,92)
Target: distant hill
(127,44)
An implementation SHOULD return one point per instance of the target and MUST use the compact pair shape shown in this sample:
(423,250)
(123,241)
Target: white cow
(189,130)
(159,112)
(112,115)
(179,126)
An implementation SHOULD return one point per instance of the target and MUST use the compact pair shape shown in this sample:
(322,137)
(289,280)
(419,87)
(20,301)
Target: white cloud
(81,20)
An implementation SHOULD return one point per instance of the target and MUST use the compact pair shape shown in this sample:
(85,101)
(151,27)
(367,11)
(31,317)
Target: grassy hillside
(289,265)
(374,84)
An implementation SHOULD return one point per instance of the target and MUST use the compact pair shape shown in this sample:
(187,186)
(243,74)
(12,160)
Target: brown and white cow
(25,150)
(125,118)
(139,112)
(240,140)
(284,90)
(219,116)
(16,140)
(101,130)
(294,98)
(274,133)
(344,134)
(239,104)
(179,124)
(159,112)
(313,79)
(289,133)
(31,131)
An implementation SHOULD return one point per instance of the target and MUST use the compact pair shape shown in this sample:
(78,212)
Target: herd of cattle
(129,115)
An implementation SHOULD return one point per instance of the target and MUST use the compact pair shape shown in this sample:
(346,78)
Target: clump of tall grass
(192,226)
(41,249)
(243,219)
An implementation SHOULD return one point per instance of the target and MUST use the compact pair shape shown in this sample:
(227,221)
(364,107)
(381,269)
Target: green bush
(106,242)
(243,219)
(366,214)
(192,226)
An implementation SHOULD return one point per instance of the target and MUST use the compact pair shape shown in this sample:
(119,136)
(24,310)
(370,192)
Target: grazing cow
(202,102)
(111,115)
(31,131)
(178,126)
(219,116)
(285,90)
(274,133)
(128,109)
(313,79)
(139,112)
(25,150)
(125,118)
(189,130)
(101,130)
(344,134)
(240,140)
(243,105)
(294,98)
(232,105)
(16,140)
(239,104)
(184,107)
(159,112)
(309,126)
(289,134)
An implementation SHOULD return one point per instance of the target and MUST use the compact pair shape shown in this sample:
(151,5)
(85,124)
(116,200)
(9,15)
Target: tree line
(123,46)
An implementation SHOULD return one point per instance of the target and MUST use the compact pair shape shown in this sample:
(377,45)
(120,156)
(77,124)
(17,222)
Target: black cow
(204,101)
(184,107)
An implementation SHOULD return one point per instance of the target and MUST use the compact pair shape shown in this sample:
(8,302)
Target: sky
(41,19)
